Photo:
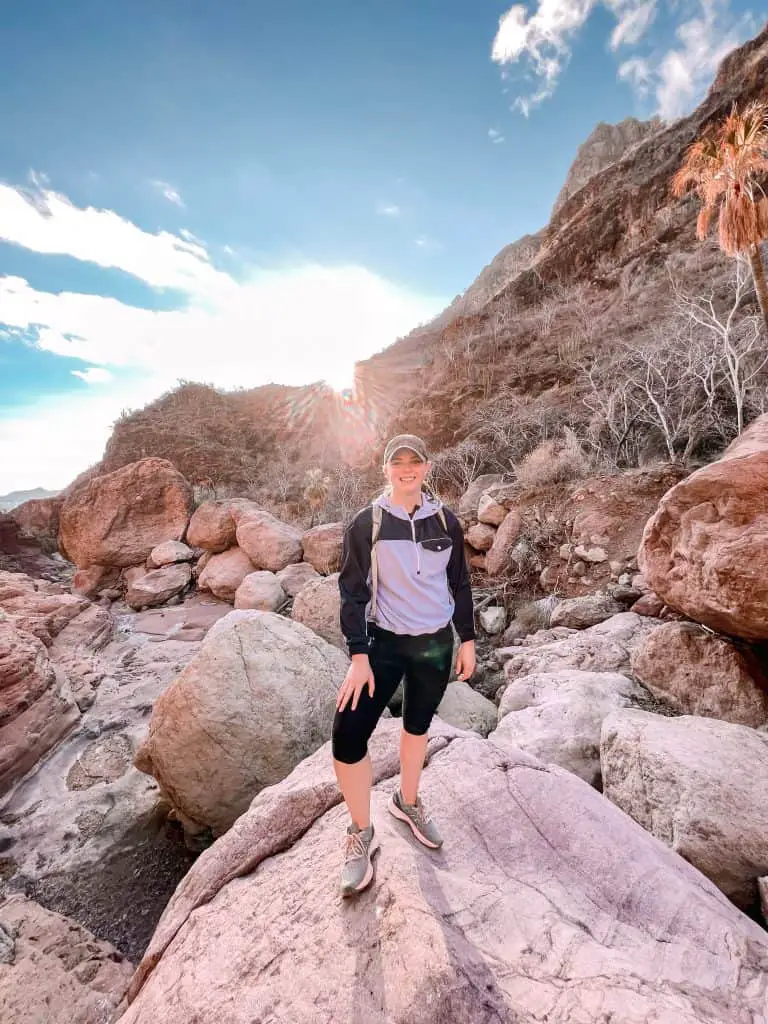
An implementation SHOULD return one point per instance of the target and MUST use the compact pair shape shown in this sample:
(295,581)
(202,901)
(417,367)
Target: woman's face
(406,472)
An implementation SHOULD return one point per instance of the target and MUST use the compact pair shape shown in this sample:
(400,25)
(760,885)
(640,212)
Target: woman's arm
(353,581)
(458,581)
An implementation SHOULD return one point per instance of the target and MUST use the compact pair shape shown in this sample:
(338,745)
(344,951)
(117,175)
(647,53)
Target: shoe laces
(420,813)
(355,845)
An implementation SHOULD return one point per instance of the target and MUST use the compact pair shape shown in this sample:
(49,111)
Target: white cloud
(46,222)
(495,136)
(93,375)
(291,326)
(683,73)
(678,75)
(634,22)
(388,210)
(170,193)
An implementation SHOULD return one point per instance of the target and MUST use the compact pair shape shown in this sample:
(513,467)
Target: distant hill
(9,501)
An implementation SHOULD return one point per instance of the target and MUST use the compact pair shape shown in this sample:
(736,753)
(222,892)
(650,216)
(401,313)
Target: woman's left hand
(465,662)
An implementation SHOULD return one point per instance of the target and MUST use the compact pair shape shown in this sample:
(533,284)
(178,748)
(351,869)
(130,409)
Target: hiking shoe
(357,873)
(415,816)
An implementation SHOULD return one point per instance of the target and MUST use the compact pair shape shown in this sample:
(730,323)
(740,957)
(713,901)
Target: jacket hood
(429,507)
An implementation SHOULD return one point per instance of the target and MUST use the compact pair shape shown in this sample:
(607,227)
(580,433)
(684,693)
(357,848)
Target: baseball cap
(409,441)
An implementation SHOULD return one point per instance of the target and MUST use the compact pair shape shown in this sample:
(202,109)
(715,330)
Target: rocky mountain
(606,144)
(599,274)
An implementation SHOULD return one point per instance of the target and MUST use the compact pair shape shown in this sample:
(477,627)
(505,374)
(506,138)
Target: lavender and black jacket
(423,582)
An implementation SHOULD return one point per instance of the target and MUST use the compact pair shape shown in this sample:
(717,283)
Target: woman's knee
(349,739)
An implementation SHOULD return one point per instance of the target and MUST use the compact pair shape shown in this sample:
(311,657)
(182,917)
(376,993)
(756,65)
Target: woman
(403,580)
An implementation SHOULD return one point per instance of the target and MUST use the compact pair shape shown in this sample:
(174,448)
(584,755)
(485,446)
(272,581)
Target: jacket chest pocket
(435,555)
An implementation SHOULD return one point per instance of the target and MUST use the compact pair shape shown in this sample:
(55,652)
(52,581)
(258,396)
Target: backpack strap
(375,531)
(441,517)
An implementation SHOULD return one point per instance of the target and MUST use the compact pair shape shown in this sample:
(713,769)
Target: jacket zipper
(418,555)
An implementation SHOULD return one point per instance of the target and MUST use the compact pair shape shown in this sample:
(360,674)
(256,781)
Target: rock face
(606,647)
(88,582)
(54,971)
(318,606)
(223,573)
(39,518)
(606,144)
(258,697)
(469,501)
(294,577)
(583,612)
(557,716)
(538,907)
(698,785)
(35,711)
(705,551)
(481,536)
(117,519)
(697,673)
(322,547)
(20,552)
(159,586)
(213,525)
(268,542)
(260,590)
(499,554)
(466,709)
(168,553)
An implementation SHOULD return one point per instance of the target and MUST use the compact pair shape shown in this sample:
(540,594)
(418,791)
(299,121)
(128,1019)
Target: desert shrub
(553,461)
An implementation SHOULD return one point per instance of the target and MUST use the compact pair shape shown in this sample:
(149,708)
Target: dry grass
(554,461)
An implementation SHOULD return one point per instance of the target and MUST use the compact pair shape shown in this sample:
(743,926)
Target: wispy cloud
(495,136)
(170,193)
(677,72)
(93,375)
(388,210)
(46,222)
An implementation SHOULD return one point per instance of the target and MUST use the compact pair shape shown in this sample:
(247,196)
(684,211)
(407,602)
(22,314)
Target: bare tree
(728,345)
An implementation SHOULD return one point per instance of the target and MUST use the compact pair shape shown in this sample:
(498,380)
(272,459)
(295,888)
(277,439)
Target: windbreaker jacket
(423,582)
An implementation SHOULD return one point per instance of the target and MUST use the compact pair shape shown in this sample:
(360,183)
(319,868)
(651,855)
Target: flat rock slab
(185,622)
(545,904)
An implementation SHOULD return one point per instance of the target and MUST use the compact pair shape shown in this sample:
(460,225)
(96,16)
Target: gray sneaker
(415,816)
(357,873)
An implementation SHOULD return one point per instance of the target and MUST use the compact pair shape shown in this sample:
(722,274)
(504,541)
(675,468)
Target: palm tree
(725,168)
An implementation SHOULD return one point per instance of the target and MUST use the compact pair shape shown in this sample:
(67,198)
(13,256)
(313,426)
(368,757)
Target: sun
(340,377)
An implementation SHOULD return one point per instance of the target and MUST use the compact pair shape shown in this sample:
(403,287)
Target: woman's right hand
(358,675)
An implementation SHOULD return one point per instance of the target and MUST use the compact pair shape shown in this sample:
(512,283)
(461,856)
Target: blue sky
(240,192)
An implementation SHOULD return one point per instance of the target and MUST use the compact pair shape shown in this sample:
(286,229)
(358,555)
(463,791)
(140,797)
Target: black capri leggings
(424,660)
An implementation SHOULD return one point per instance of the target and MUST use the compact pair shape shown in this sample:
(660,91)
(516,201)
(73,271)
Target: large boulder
(705,551)
(116,519)
(322,547)
(697,784)
(268,542)
(53,971)
(39,518)
(490,511)
(36,709)
(168,553)
(697,673)
(466,709)
(260,590)
(258,697)
(223,573)
(91,581)
(470,499)
(586,611)
(606,647)
(318,606)
(546,903)
(499,555)
(481,536)
(557,716)
(213,524)
(295,577)
(159,585)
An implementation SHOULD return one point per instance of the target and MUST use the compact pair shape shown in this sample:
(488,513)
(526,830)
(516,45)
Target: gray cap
(409,441)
